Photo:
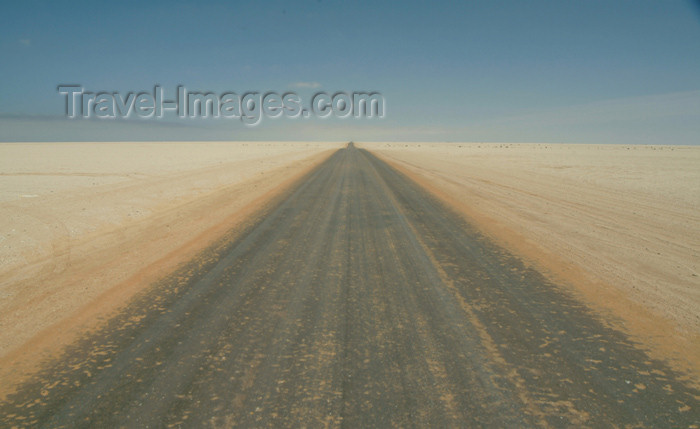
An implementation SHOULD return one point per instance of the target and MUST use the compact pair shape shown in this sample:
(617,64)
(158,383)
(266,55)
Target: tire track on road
(357,301)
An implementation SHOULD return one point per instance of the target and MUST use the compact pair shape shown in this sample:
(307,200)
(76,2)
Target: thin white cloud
(306,85)
(620,109)
(25,42)
(652,119)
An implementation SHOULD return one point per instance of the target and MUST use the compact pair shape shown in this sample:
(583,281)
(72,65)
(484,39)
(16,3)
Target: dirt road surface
(358,301)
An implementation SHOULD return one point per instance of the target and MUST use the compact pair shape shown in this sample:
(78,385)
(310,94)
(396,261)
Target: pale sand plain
(619,226)
(85,226)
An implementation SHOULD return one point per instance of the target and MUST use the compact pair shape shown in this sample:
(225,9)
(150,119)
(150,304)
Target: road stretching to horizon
(357,300)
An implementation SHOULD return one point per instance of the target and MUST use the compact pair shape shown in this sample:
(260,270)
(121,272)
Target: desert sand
(618,224)
(359,300)
(85,226)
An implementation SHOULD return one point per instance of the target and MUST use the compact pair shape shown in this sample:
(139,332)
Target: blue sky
(592,71)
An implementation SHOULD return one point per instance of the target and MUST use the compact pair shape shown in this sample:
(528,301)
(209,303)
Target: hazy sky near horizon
(593,71)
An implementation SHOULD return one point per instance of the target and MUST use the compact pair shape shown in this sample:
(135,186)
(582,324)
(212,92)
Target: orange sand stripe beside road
(618,225)
(51,298)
